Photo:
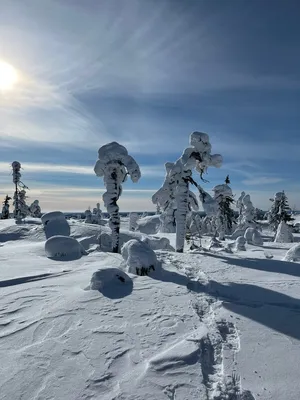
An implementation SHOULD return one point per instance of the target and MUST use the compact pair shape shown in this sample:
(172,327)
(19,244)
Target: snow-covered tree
(35,209)
(5,208)
(114,164)
(97,214)
(240,207)
(225,215)
(23,207)
(283,234)
(88,216)
(133,217)
(197,157)
(279,211)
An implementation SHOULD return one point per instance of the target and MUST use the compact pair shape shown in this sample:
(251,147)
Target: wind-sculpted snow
(55,223)
(139,258)
(283,234)
(211,325)
(149,225)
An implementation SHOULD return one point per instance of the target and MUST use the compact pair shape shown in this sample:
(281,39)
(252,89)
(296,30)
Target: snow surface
(185,334)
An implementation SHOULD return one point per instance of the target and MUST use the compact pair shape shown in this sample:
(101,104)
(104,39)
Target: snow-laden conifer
(5,208)
(35,209)
(279,211)
(114,164)
(225,216)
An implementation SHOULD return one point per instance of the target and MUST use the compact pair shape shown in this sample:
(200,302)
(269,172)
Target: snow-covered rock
(149,225)
(293,254)
(283,234)
(140,259)
(63,248)
(55,223)
(239,244)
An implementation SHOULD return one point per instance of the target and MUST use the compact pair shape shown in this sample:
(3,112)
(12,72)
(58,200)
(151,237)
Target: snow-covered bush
(111,282)
(224,217)
(293,254)
(239,244)
(5,208)
(140,259)
(279,211)
(63,248)
(133,217)
(114,164)
(283,234)
(35,209)
(55,223)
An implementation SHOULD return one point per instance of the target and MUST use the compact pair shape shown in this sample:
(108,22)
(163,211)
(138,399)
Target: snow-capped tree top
(114,155)
(222,190)
(16,165)
(200,141)
(279,196)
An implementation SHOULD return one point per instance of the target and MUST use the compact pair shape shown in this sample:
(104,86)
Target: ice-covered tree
(240,206)
(5,208)
(283,234)
(133,217)
(225,215)
(114,164)
(197,157)
(279,211)
(35,209)
(88,216)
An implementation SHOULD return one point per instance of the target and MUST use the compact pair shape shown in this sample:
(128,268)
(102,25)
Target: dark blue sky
(146,74)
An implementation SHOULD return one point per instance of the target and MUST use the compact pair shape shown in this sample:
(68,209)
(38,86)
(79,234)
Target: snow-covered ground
(208,322)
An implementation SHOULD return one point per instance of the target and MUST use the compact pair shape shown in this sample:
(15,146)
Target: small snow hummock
(149,225)
(63,248)
(283,234)
(55,223)
(139,257)
(111,282)
(293,254)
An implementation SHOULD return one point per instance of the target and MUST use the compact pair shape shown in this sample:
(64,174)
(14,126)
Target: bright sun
(8,76)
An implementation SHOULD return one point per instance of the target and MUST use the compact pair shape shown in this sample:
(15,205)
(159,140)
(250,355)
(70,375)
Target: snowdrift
(63,248)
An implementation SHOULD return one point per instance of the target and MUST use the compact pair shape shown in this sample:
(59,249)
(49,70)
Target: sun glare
(8,76)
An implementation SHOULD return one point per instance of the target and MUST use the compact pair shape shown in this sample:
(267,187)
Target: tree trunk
(182,195)
(110,199)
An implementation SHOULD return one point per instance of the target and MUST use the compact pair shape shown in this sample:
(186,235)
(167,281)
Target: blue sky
(146,73)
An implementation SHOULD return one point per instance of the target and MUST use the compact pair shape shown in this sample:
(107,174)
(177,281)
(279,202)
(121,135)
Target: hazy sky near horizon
(146,73)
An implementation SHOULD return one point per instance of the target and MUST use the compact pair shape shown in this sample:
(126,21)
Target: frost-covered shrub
(55,223)
(109,281)
(283,234)
(63,248)
(239,244)
(114,165)
(293,253)
(140,259)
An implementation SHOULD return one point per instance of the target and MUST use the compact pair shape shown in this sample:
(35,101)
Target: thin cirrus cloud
(146,74)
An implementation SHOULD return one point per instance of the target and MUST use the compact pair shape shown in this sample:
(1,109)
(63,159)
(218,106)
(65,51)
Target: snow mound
(155,243)
(63,248)
(111,282)
(20,232)
(55,223)
(139,257)
(283,234)
(293,254)
(149,225)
